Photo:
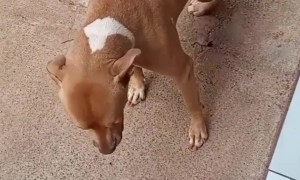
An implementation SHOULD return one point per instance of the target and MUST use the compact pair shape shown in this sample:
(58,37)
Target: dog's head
(95,100)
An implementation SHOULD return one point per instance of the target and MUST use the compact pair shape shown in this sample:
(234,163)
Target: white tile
(286,158)
(273,176)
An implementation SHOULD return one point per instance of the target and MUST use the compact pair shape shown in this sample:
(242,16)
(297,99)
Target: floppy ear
(55,68)
(122,65)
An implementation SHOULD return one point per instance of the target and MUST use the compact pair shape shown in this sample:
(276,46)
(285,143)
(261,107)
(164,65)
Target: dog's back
(147,20)
(135,9)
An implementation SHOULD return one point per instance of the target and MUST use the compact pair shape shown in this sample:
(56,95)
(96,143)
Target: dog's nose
(106,150)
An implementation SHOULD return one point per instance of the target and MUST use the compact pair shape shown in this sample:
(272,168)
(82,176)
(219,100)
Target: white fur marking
(98,31)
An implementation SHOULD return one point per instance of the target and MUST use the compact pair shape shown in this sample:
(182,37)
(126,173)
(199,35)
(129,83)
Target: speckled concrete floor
(246,78)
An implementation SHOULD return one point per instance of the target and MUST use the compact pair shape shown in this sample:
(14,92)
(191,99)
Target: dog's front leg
(136,91)
(186,82)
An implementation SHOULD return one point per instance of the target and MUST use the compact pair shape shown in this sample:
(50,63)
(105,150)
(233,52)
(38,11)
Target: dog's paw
(136,94)
(197,135)
(198,8)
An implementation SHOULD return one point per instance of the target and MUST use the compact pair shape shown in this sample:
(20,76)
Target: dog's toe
(197,135)
(136,95)
(198,8)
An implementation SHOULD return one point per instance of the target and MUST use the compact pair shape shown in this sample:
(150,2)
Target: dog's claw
(135,95)
(198,135)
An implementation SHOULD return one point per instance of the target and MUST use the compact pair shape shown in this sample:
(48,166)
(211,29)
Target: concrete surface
(286,157)
(246,76)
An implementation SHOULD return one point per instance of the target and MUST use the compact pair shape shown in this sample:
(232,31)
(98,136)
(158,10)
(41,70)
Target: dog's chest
(98,31)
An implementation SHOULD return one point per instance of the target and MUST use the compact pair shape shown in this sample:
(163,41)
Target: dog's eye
(117,122)
(112,124)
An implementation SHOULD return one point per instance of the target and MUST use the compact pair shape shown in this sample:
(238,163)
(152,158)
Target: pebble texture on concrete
(246,69)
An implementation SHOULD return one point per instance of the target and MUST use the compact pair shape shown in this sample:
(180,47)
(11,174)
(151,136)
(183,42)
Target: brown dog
(118,39)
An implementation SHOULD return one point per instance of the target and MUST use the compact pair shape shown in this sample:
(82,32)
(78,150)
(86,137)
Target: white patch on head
(98,31)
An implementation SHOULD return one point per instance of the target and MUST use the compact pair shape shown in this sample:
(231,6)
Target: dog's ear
(123,65)
(56,69)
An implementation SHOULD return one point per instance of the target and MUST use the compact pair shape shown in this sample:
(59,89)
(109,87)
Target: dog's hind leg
(186,81)
(168,58)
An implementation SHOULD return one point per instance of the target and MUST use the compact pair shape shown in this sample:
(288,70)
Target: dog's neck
(100,42)
(81,55)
